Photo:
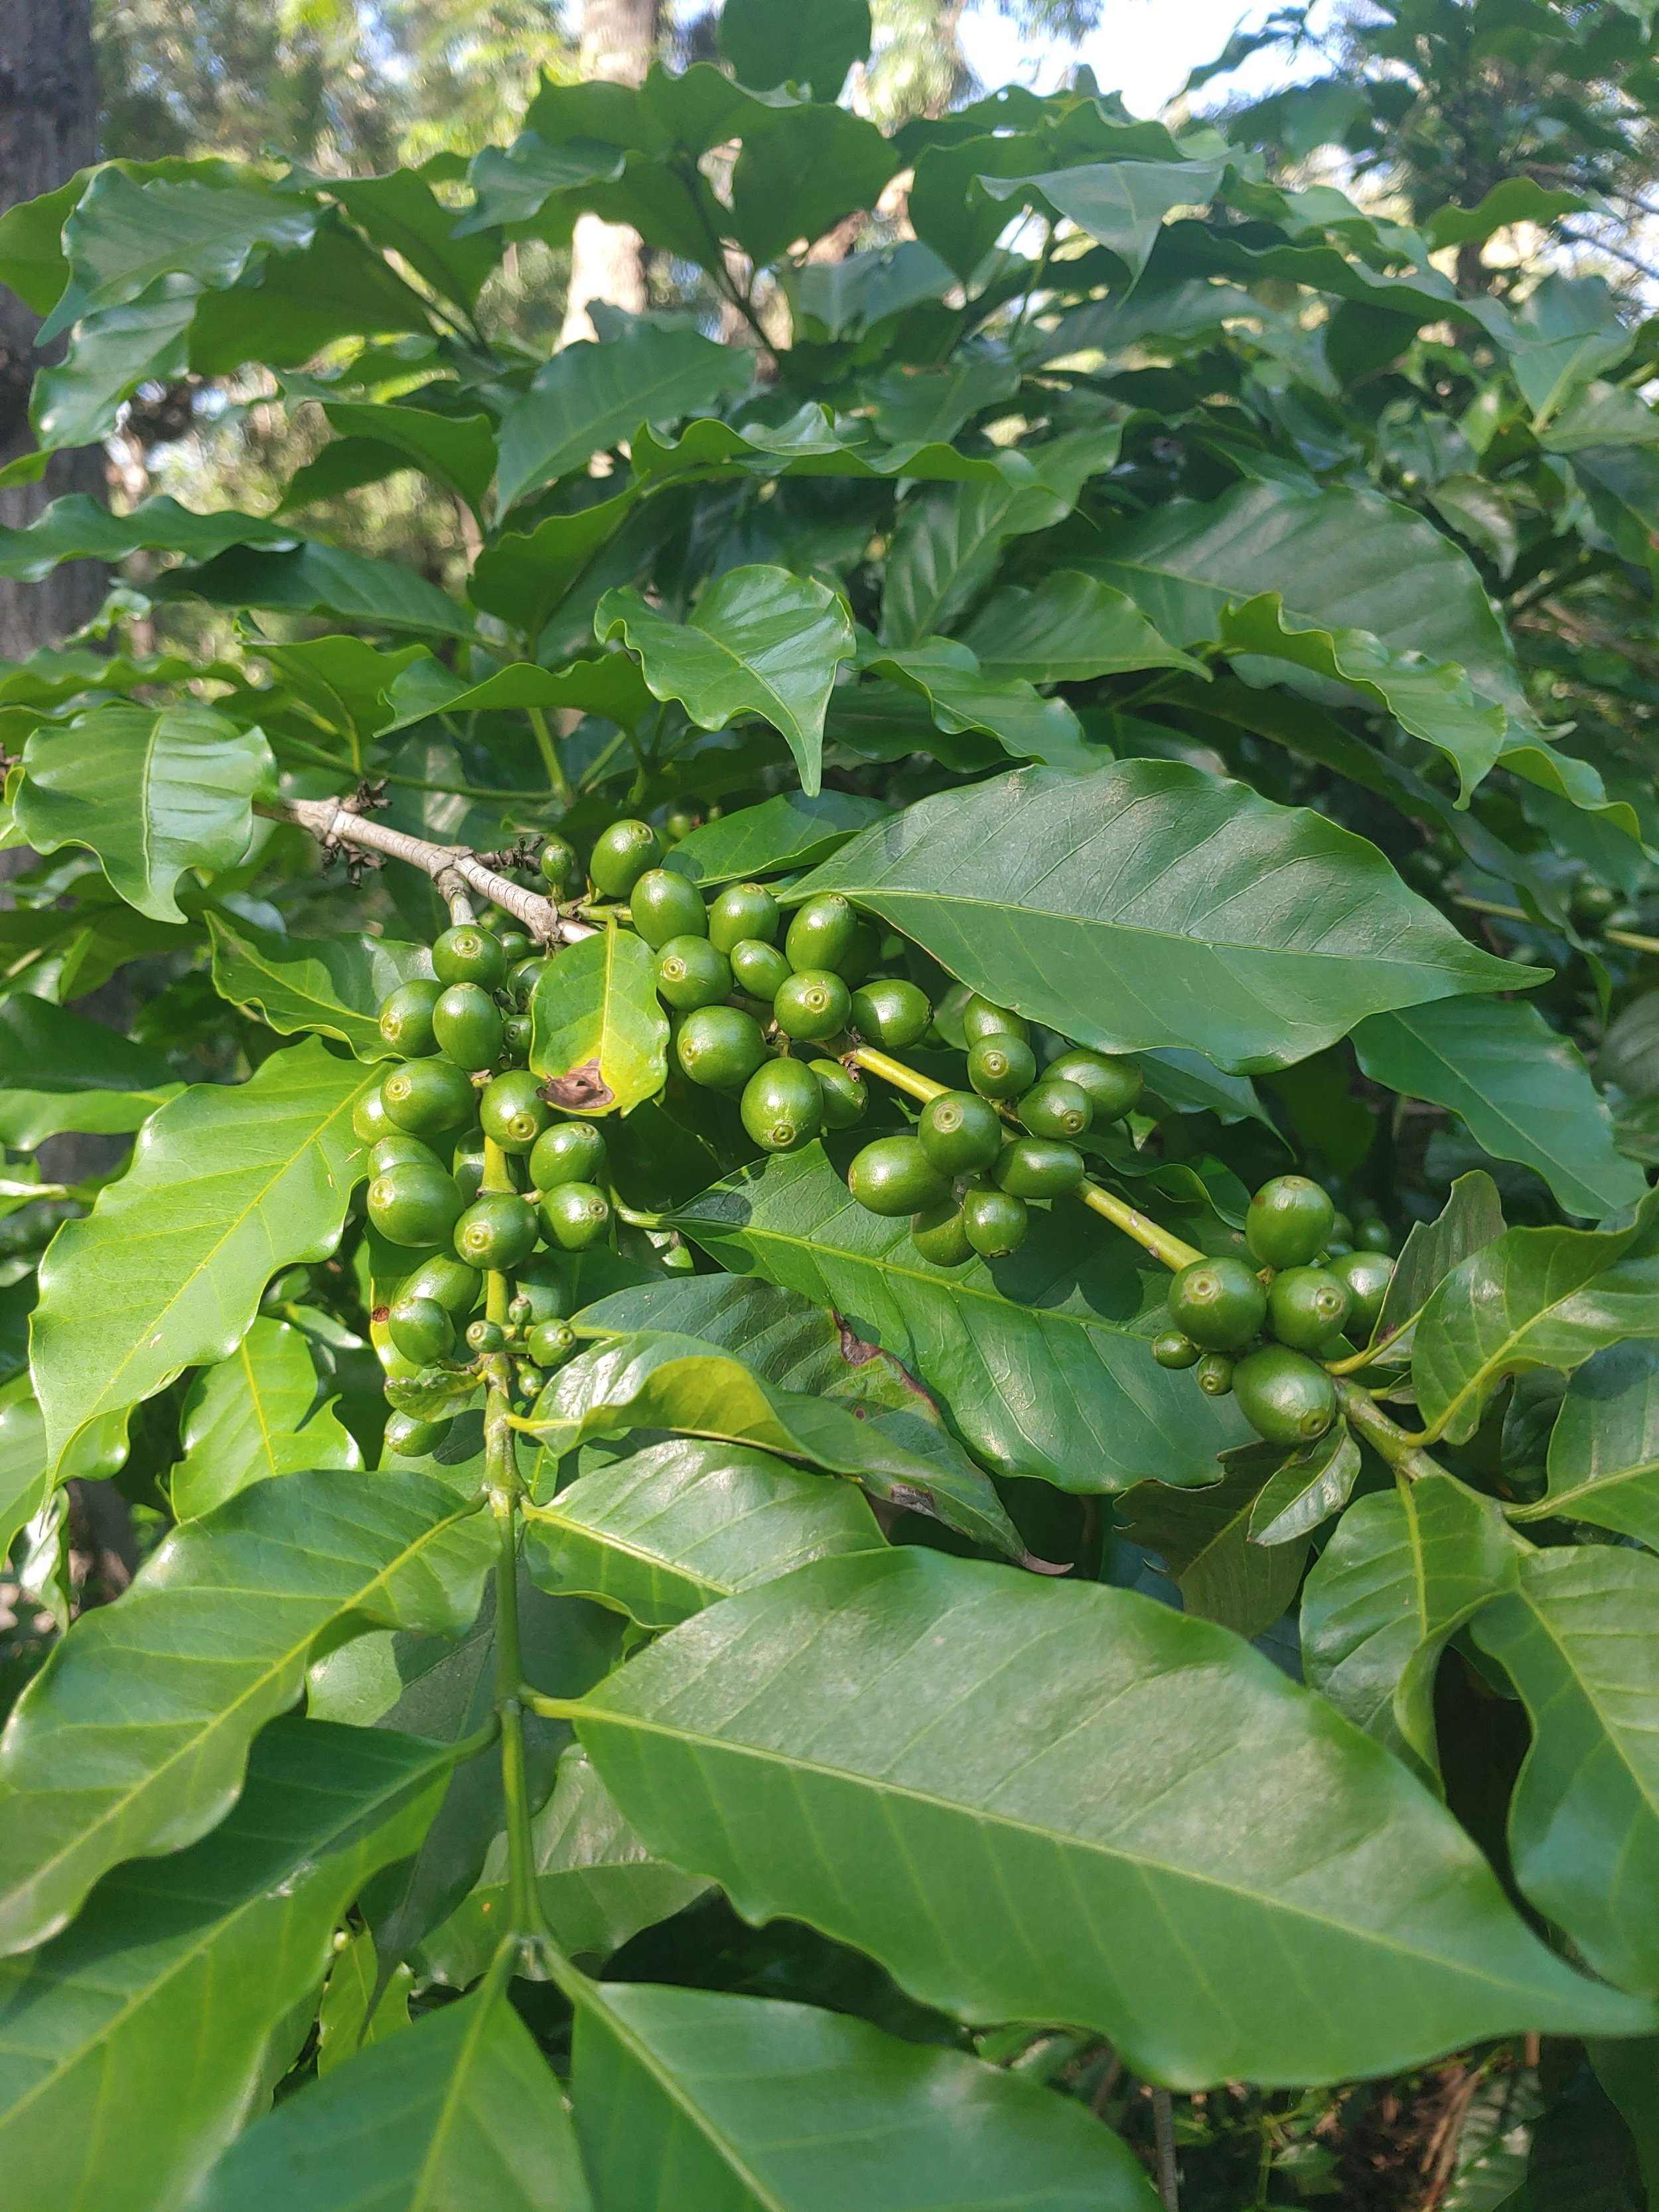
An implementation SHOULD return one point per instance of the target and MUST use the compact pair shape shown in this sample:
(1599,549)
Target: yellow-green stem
(1630,938)
(1401,1449)
(1172,1250)
(558,780)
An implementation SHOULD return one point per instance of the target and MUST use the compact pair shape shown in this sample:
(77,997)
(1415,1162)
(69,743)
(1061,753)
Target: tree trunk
(48,130)
(619,43)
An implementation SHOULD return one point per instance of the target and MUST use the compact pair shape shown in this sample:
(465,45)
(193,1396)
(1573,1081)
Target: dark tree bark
(48,130)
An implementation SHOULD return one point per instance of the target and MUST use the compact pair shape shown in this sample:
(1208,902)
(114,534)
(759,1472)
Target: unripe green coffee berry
(406,1017)
(719,1047)
(663,904)
(520,1311)
(416,1205)
(487,1336)
(621,856)
(467,1166)
(412,1439)
(400,1149)
(570,1152)
(496,1231)
(1113,1085)
(759,970)
(960,1133)
(1218,1303)
(370,1120)
(558,866)
(1172,1349)
(1214,1375)
(1039,1167)
(469,953)
(782,1105)
(981,1018)
(575,1216)
(1054,1108)
(523,977)
(511,1110)
(894,1175)
(427,1097)
(515,947)
(455,1288)
(1366,1276)
(744,910)
(692,973)
(1284,1396)
(820,933)
(1373,1235)
(467,1024)
(812,1003)
(940,1236)
(994,1221)
(551,1343)
(844,1097)
(891,1012)
(1001,1065)
(516,1033)
(1289,1221)
(1306,1307)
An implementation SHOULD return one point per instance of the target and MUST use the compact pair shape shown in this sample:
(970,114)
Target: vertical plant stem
(558,781)
(1168,2178)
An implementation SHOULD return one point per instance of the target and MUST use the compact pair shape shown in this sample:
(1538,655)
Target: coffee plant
(891,1380)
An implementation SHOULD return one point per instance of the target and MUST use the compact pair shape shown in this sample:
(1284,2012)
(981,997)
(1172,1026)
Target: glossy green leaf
(253,1416)
(321,579)
(79,528)
(588,396)
(132,2046)
(513,183)
(1152,905)
(1120,205)
(1517,199)
(340,683)
(1041,1360)
(758,641)
(810,443)
(462,2113)
(595,1880)
(787,831)
(1472,1217)
(945,673)
(1306,1489)
(458,449)
(119,1749)
(230,1183)
(123,235)
(600,1037)
(1069,629)
(1578,1635)
(687,1522)
(1203,1538)
(767,45)
(1535,1298)
(333,984)
(705,2099)
(61,1071)
(1604,1448)
(801,171)
(607,684)
(524,574)
(79,401)
(153,790)
(355,2011)
(1270,1892)
(657,1379)
(23,1476)
(403,212)
(1404,1568)
(1521,1086)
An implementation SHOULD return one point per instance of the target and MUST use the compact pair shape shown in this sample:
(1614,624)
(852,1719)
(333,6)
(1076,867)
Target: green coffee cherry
(621,856)
(1001,1065)
(812,1003)
(662,905)
(860,957)
(400,1149)
(412,1439)
(406,1017)
(524,975)
(1214,1375)
(487,1336)
(759,970)
(1113,1085)
(513,1111)
(820,933)
(1039,1167)
(1172,1349)
(412,1204)
(1373,1235)
(744,910)
(520,1311)
(782,1105)
(1306,1307)
(960,1133)
(456,1288)
(994,1221)
(692,973)
(1284,1396)
(515,947)
(1218,1303)
(469,953)
(719,1047)
(940,1236)
(496,1231)
(844,1095)
(981,1019)
(1055,1108)
(428,1097)
(370,1120)
(892,1013)
(551,1343)
(516,1033)
(558,866)
(467,1024)
(467,1166)
(570,1152)
(894,1175)
(575,1216)
(421,1329)
(1289,1221)
(679,820)
(1365,1276)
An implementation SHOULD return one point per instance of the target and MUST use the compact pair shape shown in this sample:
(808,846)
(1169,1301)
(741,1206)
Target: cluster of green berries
(1263,1335)
(463,1035)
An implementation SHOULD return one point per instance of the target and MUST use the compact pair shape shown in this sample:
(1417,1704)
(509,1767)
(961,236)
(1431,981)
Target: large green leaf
(944,672)
(1203,1538)
(788,831)
(231,1183)
(759,642)
(132,1739)
(1521,1086)
(153,790)
(801,171)
(1152,905)
(685,1523)
(1042,1361)
(1604,1448)
(523,576)
(79,528)
(1404,1570)
(588,396)
(334,984)
(599,1035)
(1272,1895)
(1120,205)
(608,683)
(321,579)
(1070,628)
(1472,1217)
(595,1880)
(767,45)
(61,1071)
(1341,560)
(253,1416)
(658,1379)
(79,401)
(756,2105)
(461,2114)
(1579,1638)
(132,2046)
(1535,1298)
(458,449)
(123,236)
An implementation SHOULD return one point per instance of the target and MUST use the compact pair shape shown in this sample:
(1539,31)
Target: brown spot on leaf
(910,1499)
(583,1087)
(853,1349)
